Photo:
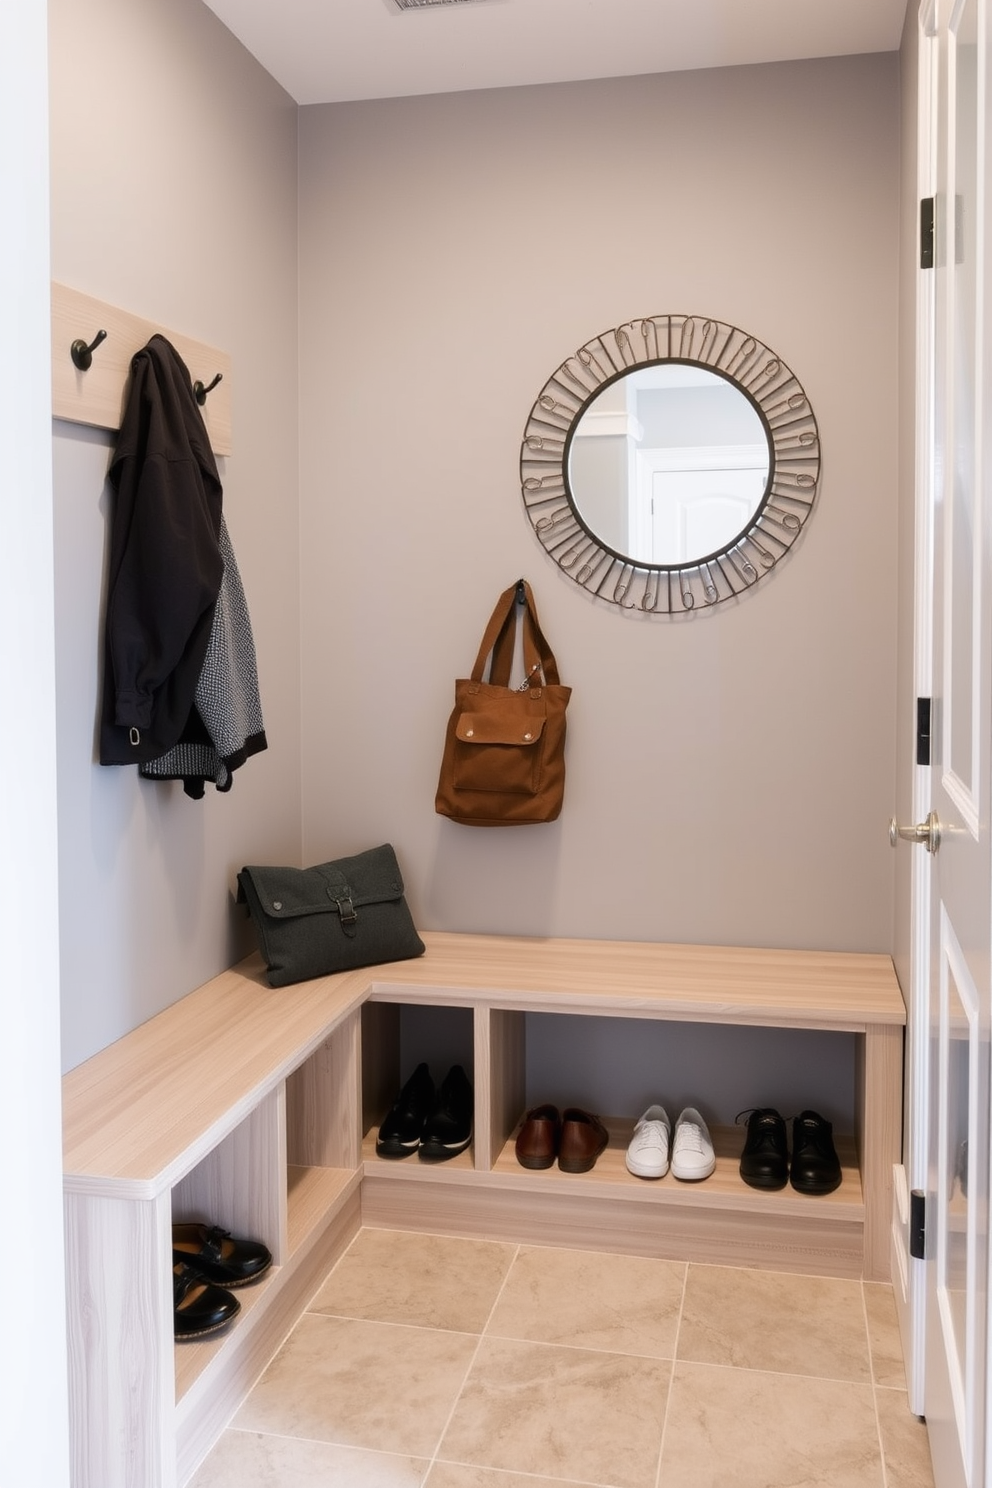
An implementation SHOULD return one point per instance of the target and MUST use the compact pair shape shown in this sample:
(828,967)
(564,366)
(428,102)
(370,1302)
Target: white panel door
(957,1252)
(689,502)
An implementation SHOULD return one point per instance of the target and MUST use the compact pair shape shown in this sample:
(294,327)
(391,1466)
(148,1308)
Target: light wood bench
(258,1109)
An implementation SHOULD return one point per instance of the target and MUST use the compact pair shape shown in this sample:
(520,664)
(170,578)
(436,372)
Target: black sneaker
(815,1164)
(400,1133)
(448,1129)
(765,1159)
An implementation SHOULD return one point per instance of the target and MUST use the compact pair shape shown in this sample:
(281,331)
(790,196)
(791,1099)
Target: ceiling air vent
(422,4)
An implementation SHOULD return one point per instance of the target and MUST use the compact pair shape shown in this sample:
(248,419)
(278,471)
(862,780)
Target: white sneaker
(692,1150)
(647,1155)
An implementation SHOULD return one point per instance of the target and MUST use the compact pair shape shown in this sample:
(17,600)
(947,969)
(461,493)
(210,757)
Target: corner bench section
(238,1104)
(250,1106)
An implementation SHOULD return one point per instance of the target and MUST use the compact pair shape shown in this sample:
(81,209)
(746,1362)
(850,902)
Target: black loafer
(214,1253)
(815,1164)
(765,1159)
(400,1133)
(448,1129)
(199,1306)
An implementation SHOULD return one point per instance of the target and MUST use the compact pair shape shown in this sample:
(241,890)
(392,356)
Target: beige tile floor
(431,1362)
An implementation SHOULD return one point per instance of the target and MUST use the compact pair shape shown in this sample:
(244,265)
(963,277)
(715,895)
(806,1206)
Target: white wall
(730,777)
(34,1438)
(174,196)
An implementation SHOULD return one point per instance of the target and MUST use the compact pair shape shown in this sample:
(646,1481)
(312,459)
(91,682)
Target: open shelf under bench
(504,980)
(720,1220)
(257,1109)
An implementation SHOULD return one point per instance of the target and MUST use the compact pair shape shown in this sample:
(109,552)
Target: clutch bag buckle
(347,912)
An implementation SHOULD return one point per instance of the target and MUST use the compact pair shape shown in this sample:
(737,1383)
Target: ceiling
(325,51)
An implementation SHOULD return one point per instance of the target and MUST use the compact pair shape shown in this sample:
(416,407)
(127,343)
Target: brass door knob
(927,832)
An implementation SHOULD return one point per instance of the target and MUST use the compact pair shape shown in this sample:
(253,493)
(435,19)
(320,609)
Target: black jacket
(165,561)
(225,723)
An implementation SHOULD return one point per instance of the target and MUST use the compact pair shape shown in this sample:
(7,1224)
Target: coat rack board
(96,396)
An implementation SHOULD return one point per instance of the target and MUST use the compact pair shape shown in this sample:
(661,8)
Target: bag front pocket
(500,749)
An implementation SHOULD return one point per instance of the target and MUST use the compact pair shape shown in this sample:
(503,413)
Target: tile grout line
(785,1374)
(471,1363)
(671,1377)
(874,1386)
(323,1441)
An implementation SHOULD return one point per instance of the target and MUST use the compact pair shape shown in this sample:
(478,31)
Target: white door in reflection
(668,464)
(689,502)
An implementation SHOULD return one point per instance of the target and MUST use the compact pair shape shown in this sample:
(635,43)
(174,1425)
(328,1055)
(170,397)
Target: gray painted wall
(730,775)
(173,196)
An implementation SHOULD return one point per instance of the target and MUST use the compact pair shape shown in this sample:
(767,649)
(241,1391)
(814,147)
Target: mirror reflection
(668,464)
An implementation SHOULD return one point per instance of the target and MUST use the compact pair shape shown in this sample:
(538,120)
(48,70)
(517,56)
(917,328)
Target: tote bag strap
(500,635)
(504,646)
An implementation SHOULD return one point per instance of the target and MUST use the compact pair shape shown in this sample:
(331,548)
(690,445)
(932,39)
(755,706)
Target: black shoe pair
(202,1256)
(434,1124)
(815,1167)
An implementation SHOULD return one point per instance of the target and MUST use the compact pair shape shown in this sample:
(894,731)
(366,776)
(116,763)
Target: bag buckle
(347,913)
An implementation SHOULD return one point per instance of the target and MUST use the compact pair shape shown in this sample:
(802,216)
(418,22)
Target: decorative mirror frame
(790,490)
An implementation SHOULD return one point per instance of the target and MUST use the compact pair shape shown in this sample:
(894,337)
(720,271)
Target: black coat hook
(82,355)
(200,392)
(521,593)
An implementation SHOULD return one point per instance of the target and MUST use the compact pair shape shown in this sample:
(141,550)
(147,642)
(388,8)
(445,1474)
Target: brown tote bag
(504,751)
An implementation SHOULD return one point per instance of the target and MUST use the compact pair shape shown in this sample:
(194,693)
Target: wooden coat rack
(90,370)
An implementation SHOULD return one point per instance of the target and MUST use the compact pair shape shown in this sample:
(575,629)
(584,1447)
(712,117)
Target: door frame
(908,1273)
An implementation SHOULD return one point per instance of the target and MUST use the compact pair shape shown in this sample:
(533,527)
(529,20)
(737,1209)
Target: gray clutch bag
(333,917)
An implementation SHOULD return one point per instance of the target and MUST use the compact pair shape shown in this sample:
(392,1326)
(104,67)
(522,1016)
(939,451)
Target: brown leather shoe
(583,1138)
(537,1140)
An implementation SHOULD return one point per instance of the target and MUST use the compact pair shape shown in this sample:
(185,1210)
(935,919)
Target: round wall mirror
(670,463)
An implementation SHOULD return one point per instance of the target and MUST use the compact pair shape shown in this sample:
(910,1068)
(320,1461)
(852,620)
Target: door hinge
(926,233)
(922,731)
(918,1225)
